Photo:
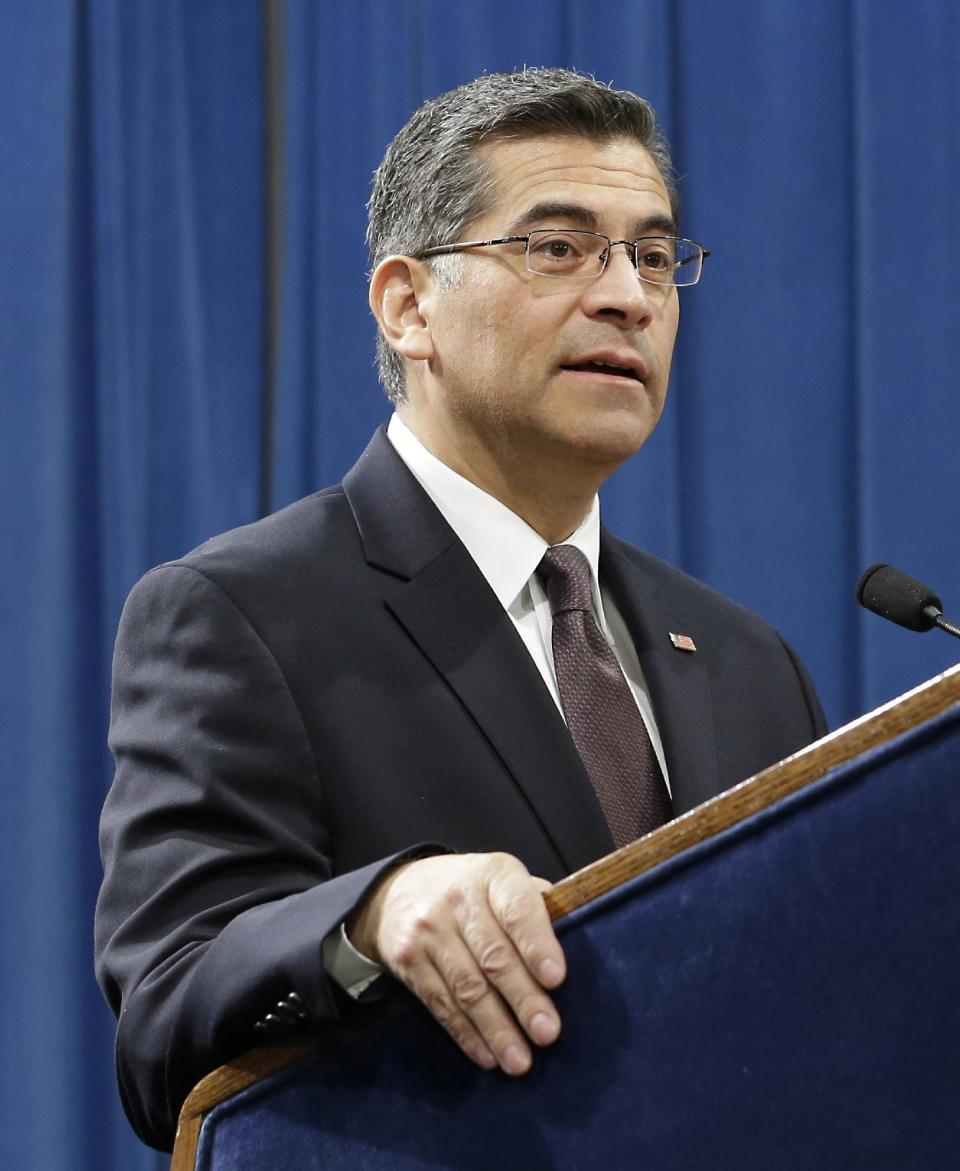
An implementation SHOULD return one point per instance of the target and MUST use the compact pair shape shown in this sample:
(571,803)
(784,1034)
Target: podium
(771,981)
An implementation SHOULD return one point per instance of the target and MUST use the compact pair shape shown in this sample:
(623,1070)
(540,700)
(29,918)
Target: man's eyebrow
(656,225)
(540,213)
(584,217)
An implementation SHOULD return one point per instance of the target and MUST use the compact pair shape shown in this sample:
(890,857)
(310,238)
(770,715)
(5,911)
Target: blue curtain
(158,387)
(130,350)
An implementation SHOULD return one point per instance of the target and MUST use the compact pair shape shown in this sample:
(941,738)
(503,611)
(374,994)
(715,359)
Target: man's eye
(556,252)
(559,249)
(656,260)
(556,248)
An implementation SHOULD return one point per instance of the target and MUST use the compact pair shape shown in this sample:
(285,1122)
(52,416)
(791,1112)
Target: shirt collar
(506,549)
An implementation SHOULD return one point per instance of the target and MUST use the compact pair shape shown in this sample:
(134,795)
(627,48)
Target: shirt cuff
(346,966)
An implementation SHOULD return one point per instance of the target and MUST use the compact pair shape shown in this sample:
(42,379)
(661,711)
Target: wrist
(363,923)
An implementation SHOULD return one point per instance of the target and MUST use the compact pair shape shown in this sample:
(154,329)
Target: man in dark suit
(342,732)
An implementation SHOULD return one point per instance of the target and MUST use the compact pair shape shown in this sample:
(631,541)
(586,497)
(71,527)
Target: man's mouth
(610,364)
(604,368)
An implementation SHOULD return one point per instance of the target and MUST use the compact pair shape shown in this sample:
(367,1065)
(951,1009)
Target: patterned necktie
(600,710)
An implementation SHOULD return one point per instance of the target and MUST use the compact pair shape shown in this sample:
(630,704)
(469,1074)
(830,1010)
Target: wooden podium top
(789,776)
(751,796)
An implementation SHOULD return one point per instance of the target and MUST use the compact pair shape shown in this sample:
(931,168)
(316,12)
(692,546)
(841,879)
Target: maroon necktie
(600,710)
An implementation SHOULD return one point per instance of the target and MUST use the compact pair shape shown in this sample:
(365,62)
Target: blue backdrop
(185,342)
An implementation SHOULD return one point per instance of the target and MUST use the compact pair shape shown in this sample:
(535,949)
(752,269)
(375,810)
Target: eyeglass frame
(631,246)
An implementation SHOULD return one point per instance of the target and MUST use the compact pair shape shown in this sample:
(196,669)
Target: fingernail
(543,1028)
(485,1058)
(515,1060)
(550,973)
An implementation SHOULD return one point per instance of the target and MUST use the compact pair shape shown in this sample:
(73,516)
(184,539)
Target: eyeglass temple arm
(441,249)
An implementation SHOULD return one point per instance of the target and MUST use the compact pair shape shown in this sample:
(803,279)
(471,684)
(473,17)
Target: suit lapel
(449,611)
(678,680)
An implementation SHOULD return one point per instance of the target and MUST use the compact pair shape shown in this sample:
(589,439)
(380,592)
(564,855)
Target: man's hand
(470,936)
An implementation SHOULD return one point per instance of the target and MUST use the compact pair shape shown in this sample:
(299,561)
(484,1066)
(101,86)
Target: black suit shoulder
(301,539)
(684,592)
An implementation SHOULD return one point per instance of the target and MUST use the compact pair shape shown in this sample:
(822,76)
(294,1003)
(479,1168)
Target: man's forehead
(568,168)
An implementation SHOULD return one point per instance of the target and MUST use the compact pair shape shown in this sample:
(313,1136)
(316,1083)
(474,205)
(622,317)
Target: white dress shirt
(507,552)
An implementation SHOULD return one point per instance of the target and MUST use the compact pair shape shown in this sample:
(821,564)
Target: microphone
(895,595)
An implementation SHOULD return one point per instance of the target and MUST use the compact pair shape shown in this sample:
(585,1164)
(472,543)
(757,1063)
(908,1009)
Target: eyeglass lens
(570,253)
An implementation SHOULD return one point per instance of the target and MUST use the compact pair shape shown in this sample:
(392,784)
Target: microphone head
(895,595)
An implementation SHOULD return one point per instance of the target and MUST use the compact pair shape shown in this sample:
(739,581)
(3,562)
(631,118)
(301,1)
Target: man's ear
(399,288)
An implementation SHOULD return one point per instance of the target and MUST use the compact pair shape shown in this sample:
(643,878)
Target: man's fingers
(429,956)
(470,936)
(458,996)
(520,910)
(501,967)
(474,985)
(429,986)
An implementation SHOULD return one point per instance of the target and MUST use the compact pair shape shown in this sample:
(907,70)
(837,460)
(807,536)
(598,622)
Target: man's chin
(612,439)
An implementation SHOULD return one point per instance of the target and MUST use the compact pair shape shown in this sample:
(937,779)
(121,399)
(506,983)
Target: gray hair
(431,183)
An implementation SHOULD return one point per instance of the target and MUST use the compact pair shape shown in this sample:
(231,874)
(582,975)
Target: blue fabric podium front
(782,996)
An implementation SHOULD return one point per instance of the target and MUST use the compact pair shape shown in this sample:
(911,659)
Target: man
(340,732)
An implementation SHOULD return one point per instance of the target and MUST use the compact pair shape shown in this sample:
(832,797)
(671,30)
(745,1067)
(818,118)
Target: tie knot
(564,573)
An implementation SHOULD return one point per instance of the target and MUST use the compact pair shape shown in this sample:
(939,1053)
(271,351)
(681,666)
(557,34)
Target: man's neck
(551,492)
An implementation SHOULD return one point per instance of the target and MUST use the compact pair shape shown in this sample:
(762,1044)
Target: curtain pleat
(130,345)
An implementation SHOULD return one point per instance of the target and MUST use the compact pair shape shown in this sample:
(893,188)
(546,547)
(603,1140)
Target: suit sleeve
(818,721)
(218,887)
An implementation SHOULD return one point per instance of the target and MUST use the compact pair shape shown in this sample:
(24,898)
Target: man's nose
(618,292)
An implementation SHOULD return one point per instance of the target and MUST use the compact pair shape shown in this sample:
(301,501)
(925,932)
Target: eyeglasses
(570,252)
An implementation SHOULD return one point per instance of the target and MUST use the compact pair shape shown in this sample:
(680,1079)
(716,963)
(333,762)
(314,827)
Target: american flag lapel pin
(683,642)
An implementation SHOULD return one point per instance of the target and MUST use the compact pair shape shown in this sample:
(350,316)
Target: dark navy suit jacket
(300,700)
